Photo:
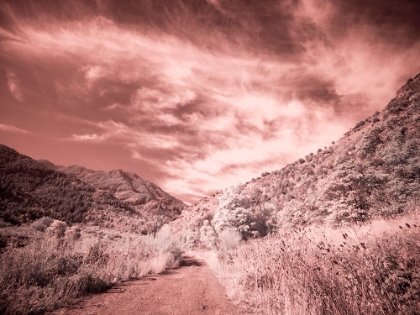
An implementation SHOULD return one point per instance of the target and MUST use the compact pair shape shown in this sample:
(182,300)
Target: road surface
(188,290)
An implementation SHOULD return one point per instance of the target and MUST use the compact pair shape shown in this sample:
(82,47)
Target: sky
(196,95)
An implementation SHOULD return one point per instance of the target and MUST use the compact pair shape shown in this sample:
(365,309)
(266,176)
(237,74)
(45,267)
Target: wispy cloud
(13,83)
(13,129)
(209,92)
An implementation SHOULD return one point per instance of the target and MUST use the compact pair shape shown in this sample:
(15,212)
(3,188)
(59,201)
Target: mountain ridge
(31,189)
(128,187)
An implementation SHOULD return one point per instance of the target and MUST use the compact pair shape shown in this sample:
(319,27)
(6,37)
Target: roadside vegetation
(63,264)
(369,269)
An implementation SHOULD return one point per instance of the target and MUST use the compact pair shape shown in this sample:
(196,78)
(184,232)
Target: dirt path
(191,289)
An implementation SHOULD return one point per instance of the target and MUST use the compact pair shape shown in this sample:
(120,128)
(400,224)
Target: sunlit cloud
(90,137)
(211,93)
(119,132)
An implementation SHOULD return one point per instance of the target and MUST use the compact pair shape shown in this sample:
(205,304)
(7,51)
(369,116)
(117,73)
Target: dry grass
(55,271)
(328,271)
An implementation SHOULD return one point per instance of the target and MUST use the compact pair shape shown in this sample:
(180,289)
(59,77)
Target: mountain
(372,171)
(32,189)
(141,195)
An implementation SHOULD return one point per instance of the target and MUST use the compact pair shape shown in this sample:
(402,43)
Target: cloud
(393,22)
(208,93)
(14,86)
(13,129)
(9,28)
(119,132)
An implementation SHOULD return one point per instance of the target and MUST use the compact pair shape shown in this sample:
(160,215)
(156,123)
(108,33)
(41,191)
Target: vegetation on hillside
(29,190)
(62,238)
(130,189)
(372,172)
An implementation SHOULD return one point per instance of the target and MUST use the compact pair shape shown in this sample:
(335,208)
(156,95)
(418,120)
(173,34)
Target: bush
(42,224)
(229,239)
(57,228)
(359,124)
(208,236)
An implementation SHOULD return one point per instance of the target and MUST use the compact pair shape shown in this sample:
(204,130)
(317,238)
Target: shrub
(42,224)
(208,236)
(229,239)
(359,124)
(57,228)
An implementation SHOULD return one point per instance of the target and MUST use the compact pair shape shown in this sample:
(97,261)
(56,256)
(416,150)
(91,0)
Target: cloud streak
(202,93)
(13,129)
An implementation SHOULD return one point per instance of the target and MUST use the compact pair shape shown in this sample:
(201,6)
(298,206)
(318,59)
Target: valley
(335,232)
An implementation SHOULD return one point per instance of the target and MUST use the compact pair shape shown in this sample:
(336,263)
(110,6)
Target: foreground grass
(327,271)
(56,270)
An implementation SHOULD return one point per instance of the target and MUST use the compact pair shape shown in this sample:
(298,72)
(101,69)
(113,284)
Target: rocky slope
(372,171)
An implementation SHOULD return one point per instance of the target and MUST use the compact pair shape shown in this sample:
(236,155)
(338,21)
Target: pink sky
(196,95)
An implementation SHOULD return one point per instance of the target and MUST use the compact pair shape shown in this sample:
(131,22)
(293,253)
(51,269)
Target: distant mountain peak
(129,188)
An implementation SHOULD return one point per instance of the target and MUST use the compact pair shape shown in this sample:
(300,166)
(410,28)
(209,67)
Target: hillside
(372,171)
(32,189)
(141,195)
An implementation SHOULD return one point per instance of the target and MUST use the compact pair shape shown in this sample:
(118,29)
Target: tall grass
(55,271)
(326,271)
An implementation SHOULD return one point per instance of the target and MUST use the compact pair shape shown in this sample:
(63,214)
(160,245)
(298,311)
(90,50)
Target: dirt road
(189,290)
